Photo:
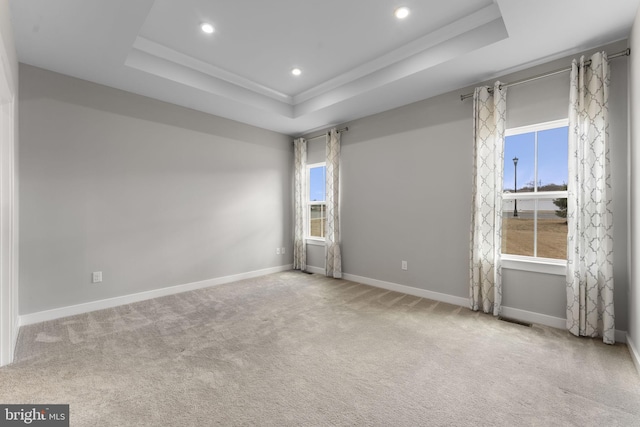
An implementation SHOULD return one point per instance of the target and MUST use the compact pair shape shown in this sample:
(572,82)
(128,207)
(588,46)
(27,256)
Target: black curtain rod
(625,52)
(344,129)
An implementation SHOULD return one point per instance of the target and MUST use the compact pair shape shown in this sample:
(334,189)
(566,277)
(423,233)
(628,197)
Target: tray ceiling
(356,57)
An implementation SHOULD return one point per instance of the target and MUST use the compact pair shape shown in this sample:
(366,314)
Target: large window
(317,201)
(534,211)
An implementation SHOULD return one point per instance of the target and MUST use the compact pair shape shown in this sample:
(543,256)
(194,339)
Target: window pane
(522,148)
(552,228)
(317,220)
(543,235)
(553,159)
(317,184)
(518,227)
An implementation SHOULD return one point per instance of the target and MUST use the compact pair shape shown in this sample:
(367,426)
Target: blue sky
(552,157)
(317,183)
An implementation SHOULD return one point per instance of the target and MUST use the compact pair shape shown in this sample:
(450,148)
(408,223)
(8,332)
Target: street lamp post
(515,185)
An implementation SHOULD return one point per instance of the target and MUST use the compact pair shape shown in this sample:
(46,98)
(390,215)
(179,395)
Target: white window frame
(534,263)
(313,240)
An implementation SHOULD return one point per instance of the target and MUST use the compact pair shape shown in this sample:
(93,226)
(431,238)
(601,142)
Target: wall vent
(517,322)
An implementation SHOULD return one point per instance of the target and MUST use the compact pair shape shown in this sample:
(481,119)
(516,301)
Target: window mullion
(535,228)
(535,190)
(535,162)
(533,196)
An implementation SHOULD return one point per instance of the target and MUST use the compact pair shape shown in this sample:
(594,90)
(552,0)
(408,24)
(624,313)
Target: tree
(561,204)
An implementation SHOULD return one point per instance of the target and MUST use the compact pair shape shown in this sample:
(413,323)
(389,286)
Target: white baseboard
(410,290)
(57,313)
(635,355)
(622,337)
(515,313)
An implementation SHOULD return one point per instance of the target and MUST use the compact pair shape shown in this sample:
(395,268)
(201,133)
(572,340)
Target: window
(317,218)
(534,224)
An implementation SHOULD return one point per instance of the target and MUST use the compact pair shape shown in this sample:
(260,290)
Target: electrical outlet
(404,265)
(282,252)
(277,251)
(96,277)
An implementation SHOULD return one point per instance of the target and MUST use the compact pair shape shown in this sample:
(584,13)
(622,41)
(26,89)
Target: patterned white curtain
(489,115)
(300,203)
(333,262)
(589,205)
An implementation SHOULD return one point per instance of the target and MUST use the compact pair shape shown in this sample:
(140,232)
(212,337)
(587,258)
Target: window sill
(536,265)
(315,241)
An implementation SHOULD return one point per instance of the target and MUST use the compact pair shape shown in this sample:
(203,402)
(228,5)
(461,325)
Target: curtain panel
(589,205)
(489,117)
(300,204)
(333,261)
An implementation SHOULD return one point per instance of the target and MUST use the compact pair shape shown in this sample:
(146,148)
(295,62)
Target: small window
(317,218)
(534,210)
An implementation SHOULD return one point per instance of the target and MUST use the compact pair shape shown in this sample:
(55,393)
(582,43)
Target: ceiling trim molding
(474,31)
(438,54)
(181,74)
(441,35)
(161,51)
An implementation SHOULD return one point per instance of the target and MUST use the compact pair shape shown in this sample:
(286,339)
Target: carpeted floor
(292,349)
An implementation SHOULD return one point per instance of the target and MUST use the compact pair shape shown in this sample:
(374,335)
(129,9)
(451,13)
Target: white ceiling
(357,58)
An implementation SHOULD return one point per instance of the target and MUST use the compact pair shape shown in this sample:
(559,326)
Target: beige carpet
(292,349)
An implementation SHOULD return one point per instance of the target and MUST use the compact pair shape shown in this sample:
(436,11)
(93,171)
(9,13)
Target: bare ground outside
(318,226)
(518,237)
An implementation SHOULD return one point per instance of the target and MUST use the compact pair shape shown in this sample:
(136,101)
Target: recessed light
(401,12)
(207,28)
(296,71)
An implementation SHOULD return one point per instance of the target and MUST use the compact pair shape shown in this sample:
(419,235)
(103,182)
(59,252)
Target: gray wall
(406,191)
(151,194)
(634,147)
